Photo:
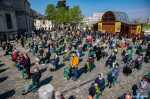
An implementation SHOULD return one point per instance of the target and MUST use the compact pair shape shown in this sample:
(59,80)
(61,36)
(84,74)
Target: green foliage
(146,27)
(68,18)
(61,4)
(50,12)
(60,15)
(76,14)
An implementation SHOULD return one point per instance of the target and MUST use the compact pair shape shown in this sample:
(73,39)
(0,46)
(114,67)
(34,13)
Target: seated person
(94,48)
(7,51)
(32,45)
(66,56)
(80,49)
(78,54)
(53,48)
(58,95)
(139,49)
(41,51)
(147,56)
(88,63)
(76,44)
(36,49)
(45,57)
(15,55)
(21,59)
(99,83)
(115,50)
(35,79)
(129,64)
(126,96)
(84,47)
(55,63)
(110,60)
(69,47)
(63,47)
(106,50)
(102,52)
(114,73)
(93,90)
(139,60)
(125,58)
(143,88)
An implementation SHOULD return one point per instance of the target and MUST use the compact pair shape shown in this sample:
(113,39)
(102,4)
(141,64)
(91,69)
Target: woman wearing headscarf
(98,84)
(100,81)
(143,88)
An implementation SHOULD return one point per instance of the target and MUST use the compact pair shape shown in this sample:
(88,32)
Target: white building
(94,19)
(148,21)
(16,16)
(97,17)
(88,20)
(140,21)
(40,21)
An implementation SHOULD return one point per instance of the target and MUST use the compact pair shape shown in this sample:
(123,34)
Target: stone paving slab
(13,84)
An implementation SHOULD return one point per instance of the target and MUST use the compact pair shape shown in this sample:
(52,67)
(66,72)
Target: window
(8,21)
(109,17)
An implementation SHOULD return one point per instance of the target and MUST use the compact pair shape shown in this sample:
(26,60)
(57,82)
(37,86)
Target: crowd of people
(73,44)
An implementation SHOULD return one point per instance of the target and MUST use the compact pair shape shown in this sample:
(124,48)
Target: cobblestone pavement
(12,84)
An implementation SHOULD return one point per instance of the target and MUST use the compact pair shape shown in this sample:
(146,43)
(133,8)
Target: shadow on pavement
(3,70)
(46,80)
(3,79)
(2,65)
(8,94)
(43,70)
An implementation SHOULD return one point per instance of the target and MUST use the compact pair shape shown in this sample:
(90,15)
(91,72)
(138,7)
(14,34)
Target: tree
(61,4)
(60,15)
(76,14)
(68,18)
(50,12)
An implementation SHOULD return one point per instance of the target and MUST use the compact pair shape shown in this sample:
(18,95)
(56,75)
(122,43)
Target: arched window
(109,17)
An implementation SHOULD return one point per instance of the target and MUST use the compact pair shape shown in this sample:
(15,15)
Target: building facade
(40,21)
(117,22)
(93,19)
(148,21)
(140,21)
(16,16)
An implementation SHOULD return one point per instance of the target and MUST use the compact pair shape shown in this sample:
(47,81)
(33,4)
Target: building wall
(108,28)
(19,5)
(21,16)
(3,23)
(38,23)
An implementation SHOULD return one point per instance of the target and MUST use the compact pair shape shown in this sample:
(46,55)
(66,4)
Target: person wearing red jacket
(15,56)
(90,39)
(20,60)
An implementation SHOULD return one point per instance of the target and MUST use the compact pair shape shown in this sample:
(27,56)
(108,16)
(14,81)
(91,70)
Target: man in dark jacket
(56,60)
(35,79)
(110,60)
(26,64)
(46,57)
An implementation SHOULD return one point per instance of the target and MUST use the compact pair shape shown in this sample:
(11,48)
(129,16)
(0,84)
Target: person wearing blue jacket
(113,74)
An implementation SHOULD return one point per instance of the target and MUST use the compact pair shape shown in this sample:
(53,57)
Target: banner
(138,29)
(117,26)
(99,26)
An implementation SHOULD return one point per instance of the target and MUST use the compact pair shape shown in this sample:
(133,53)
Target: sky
(136,9)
